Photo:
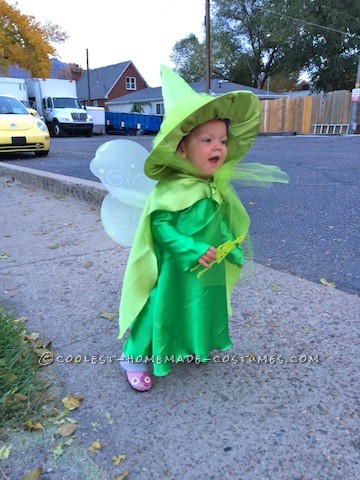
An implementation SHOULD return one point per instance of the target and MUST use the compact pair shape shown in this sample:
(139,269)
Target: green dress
(185,314)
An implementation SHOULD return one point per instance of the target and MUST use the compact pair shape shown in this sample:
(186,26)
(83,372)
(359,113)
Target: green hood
(185,109)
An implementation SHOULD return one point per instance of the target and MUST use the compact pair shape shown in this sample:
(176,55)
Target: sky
(115,31)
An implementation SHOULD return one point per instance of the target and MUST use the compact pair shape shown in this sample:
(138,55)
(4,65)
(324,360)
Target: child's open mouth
(214,160)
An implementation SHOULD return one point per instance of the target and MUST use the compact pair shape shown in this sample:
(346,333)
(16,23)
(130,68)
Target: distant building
(101,85)
(149,101)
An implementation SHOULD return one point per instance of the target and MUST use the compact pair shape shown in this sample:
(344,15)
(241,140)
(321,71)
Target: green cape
(176,192)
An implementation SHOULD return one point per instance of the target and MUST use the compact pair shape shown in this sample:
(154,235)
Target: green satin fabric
(185,314)
(174,193)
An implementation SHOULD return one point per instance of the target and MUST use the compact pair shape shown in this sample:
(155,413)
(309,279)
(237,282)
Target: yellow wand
(221,252)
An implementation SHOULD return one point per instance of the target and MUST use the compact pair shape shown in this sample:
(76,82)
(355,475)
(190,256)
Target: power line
(304,21)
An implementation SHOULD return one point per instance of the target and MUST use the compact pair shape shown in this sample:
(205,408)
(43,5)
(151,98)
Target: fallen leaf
(69,441)
(34,336)
(109,316)
(118,459)
(326,283)
(66,429)
(4,255)
(252,203)
(306,330)
(30,425)
(5,452)
(54,246)
(122,475)
(20,320)
(34,475)
(71,420)
(72,401)
(42,352)
(18,397)
(58,450)
(95,446)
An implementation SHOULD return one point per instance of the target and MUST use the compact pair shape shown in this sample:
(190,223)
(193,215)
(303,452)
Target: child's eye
(224,142)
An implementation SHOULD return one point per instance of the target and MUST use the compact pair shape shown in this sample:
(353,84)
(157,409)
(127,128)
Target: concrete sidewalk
(292,414)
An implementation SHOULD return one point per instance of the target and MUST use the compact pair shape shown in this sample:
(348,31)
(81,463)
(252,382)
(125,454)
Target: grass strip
(21,387)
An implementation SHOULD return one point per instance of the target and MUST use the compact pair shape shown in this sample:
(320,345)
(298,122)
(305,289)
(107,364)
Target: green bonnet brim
(185,109)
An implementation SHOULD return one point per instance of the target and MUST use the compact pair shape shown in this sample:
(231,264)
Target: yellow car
(21,132)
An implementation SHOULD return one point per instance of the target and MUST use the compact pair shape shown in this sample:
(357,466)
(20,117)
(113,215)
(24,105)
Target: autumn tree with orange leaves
(25,42)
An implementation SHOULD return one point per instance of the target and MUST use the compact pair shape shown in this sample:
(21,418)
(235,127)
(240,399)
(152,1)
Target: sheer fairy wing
(119,164)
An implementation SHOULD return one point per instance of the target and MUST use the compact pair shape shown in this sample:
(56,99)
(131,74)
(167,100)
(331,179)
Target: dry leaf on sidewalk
(34,475)
(122,475)
(117,459)
(95,446)
(5,452)
(66,429)
(109,316)
(326,283)
(72,401)
(30,425)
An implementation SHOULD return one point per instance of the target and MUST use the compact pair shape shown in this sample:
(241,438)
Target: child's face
(205,146)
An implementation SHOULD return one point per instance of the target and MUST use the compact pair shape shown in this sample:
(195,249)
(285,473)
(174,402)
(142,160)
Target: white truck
(17,88)
(56,100)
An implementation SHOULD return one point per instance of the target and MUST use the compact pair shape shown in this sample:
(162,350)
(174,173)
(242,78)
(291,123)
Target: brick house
(106,83)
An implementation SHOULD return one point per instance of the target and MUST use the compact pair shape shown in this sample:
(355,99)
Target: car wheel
(57,129)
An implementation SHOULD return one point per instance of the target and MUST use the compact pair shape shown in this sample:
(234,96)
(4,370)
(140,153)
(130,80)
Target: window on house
(160,109)
(130,83)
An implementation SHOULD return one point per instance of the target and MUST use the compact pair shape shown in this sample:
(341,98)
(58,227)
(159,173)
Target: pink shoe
(140,381)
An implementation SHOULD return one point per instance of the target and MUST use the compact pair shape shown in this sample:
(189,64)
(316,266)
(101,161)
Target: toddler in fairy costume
(186,255)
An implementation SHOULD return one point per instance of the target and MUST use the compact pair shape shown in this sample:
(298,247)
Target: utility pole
(207,43)
(88,75)
(354,105)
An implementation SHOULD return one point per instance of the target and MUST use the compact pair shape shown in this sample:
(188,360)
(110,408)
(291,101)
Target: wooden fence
(321,113)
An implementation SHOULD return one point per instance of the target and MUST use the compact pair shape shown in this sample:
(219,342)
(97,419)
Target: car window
(11,106)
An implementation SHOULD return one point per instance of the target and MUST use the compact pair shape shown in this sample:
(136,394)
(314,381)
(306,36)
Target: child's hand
(208,257)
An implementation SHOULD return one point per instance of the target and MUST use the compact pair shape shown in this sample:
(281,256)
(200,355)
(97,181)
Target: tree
(261,42)
(247,46)
(25,42)
(330,36)
(252,40)
(189,58)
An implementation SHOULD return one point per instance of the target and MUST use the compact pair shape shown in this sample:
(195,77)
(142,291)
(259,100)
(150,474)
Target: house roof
(102,80)
(217,87)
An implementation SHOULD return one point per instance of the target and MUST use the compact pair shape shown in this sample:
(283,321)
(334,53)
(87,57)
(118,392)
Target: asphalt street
(309,227)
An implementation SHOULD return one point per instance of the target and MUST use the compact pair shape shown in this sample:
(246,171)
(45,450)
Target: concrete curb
(87,190)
